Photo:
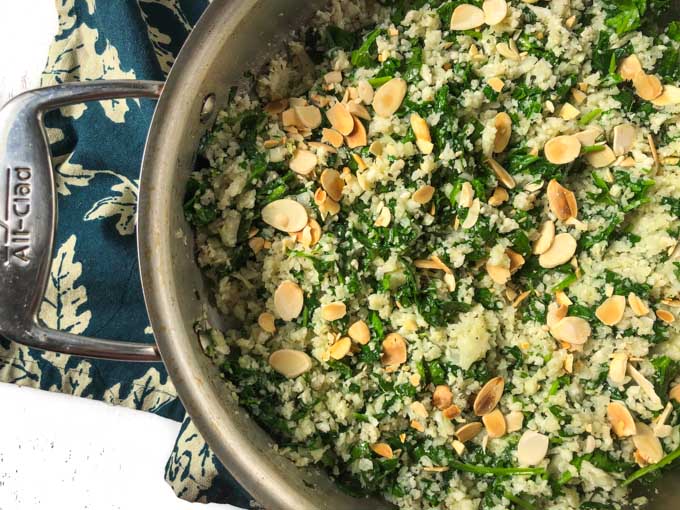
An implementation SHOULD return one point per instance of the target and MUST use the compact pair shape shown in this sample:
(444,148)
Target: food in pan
(444,239)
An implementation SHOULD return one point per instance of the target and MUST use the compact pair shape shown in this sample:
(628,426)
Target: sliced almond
(451,412)
(514,421)
(333,77)
(442,397)
(309,116)
(610,312)
(556,312)
(630,67)
(384,217)
(665,316)
(303,162)
(562,201)
(516,260)
(389,96)
(569,112)
(383,450)
(468,431)
(450,281)
(289,118)
(416,425)
(393,350)
(276,107)
(359,332)
(503,124)
(266,322)
(333,311)
(647,444)
(420,128)
(519,299)
(466,195)
(602,158)
(562,149)
(499,196)
(621,420)
(674,394)
(573,330)
(358,110)
(418,409)
(436,469)
(332,183)
(505,50)
(498,274)
(285,214)
(532,448)
(503,176)
(495,11)
(376,148)
(424,194)
(341,348)
(466,17)
(489,396)
(290,363)
(647,86)
(638,306)
(578,96)
(560,252)
(589,136)
(496,84)
(472,215)
(361,164)
(495,424)
(358,137)
(322,146)
(433,262)
(645,385)
(624,136)
(562,298)
(365,91)
(288,300)
(670,96)
(618,367)
(332,136)
(256,244)
(545,238)
(340,118)
(652,148)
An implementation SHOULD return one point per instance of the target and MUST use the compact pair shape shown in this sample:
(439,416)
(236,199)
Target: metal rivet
(208,107)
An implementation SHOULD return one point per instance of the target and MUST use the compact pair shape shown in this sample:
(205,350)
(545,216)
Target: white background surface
(56,451)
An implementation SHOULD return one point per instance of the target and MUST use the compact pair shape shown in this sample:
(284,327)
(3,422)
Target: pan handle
(28,217)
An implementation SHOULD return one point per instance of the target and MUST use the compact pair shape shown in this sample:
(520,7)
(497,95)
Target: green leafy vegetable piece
(665,371)
(640,473)
(364,56)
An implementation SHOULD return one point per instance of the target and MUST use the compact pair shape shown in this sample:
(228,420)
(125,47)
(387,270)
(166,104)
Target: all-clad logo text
(15,208)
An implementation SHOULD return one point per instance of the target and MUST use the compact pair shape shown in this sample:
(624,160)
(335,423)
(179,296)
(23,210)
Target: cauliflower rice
(444,237)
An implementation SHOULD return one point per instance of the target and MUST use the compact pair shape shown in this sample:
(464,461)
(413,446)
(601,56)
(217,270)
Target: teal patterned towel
(94,287)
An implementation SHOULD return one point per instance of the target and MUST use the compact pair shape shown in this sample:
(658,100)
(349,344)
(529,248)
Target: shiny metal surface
(28,217)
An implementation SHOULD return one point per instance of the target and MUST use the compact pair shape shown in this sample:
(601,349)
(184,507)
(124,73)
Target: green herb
(625,15)
(589,117)
(564,283)
(195,212)
(518,501)
(365,56)
(587,149)
(336,37)
(673,31)
(486,470)
(624,286)
(667,460)
(604,461)
(665,371)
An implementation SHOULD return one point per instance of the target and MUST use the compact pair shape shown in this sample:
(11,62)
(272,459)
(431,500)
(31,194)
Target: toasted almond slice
(442,397)
(285,214)
(270,144)
(589,136)
(333,311)
(560,252)
(570,22)
(290,118)
(314,231)
(332,136)
(516,260)
(450,281)
(630,67)
(545,238)
(358,137)
(665,316)
(433,262)
(266,322)
(424,146)
(309,116)
(562,298)
(472,215)
(468,431)
(276,107)
(466,195)
(496,84)
(556,312)
(514,421)
(333,77)
(601,159)
(418,409)
(503,176)
(424,194)
(573,330)
(670,96)
(303,162)
(340,118)
(414,379)
(621,420)
(288,300)
(674,394)
(332,183)
(451,412)
(562,149)
(532,448)
(489,396)
(394,350)
(359,332)
(376,148)
(519,299)
(256,244)
(610,312)
(503,124)
(290,363)
(415,424)
(624,136)
(495,11)
(652,148)
(384,217)
(420,128)
(499,196)
(647,444)
(618,367)
(505,50)
(498,274)
(638,306)
(340,348)
(436,469)
(320,197)
(578,96)
(646,386)
(361,164)
(569,112)
(322,146)
(358,110)
(388,98)
(647,86)
(495,424)
(365,91)
(383,450)
(466,17)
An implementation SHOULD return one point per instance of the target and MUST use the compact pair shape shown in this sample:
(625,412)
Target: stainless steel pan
(231,37)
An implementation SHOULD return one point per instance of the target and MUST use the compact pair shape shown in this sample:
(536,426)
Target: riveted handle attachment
(28,217)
